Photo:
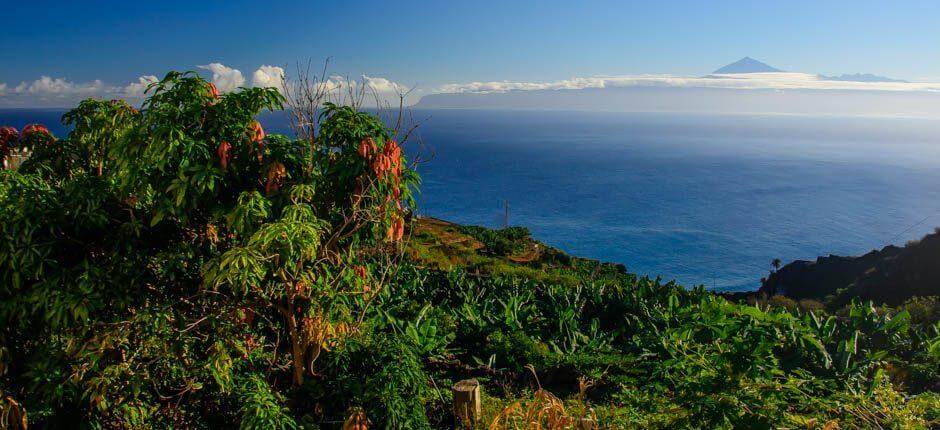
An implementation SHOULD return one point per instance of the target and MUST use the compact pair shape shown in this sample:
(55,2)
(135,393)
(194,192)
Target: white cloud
(372,90)
(46,87)
(781,80)
(383,86)
(336,83)
(268,77)
(61,92)
(225,78)
(137,89)
(503,86)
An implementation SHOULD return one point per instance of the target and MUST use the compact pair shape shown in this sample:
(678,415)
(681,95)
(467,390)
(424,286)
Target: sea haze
(697,198)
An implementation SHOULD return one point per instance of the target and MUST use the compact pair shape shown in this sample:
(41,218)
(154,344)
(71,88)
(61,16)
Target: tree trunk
(297,357)
(296,345)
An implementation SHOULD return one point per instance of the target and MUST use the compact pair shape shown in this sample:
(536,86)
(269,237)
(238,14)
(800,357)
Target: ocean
(702,199)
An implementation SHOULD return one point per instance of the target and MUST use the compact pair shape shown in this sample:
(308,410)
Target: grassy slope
(444,245)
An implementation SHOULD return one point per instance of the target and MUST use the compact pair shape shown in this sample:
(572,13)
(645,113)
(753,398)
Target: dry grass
(544,410)
(12,414)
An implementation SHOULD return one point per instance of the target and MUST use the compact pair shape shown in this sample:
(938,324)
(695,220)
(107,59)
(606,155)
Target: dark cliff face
(889,276)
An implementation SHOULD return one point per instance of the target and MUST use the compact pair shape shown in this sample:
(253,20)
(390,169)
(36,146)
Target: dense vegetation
(176,267)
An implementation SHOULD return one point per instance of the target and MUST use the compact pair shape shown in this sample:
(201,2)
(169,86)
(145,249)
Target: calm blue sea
(697,198)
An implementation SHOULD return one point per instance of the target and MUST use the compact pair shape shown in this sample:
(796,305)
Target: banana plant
(426,334)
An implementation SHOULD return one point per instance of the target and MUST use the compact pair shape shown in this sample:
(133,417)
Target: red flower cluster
(367,148)
(8,136)
(32,129)
(396,230)
(386,162)
(276,172)
(389,161)
(255,135)
(256,132)
(223,152)
(213,90)
(245,316)
(360,271)
(250,345)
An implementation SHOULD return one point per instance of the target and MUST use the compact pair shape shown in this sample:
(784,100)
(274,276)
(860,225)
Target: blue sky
(433,44)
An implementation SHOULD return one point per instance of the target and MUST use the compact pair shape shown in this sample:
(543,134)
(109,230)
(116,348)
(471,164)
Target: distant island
(675,99)
(744,86)
(860,77)
(750,65)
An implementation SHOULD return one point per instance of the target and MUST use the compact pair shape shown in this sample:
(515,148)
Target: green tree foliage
(175,265)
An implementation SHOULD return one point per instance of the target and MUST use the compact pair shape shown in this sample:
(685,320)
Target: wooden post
(467,404)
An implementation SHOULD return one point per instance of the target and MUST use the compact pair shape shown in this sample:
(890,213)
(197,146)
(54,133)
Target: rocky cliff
(890,275)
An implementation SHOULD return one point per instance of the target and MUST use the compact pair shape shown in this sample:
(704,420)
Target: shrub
(782,302)
(501,242)
(810,305)
(157,258)
(383,374)
(923,309)
(261,408)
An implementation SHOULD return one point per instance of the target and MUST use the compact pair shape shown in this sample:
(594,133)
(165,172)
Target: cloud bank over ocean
(753,88)
(792,100)
(47,91)
(758,92)
(771,80)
